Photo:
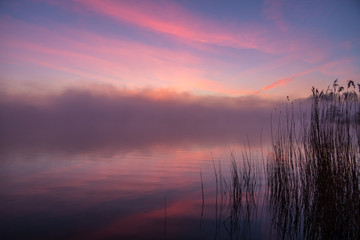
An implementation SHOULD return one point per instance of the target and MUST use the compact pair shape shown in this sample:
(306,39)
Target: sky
(268,49)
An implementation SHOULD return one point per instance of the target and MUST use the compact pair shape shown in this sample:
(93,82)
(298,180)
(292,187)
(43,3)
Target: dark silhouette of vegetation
(314,170)
(238,196)
(312,174)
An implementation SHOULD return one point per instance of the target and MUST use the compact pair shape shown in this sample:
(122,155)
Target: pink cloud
(328,68)
(172,20)
(122,63)
(169,18)
(105,59)
(280,82)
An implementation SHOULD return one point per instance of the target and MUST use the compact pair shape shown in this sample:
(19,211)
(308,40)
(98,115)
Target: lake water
(112,190)
(87,167)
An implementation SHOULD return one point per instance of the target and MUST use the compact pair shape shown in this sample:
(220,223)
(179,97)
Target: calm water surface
(118,191)
(166,171)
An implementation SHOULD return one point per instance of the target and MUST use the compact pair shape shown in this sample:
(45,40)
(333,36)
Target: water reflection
(98,165)
(189,191)
(180,176)
(116,192)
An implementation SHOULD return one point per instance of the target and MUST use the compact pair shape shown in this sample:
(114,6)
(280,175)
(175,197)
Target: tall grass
(314,169)
(237,194)
(312,174)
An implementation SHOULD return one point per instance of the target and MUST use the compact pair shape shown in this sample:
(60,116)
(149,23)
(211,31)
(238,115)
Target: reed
(312,173)
(240,191)
(314,169)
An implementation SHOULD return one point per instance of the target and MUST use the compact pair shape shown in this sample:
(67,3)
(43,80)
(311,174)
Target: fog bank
(126,117)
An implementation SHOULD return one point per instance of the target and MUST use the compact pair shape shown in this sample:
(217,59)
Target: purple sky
(269,49)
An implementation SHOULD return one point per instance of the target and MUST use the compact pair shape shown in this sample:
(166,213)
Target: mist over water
(175,119)
(102,166)
(88,118)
